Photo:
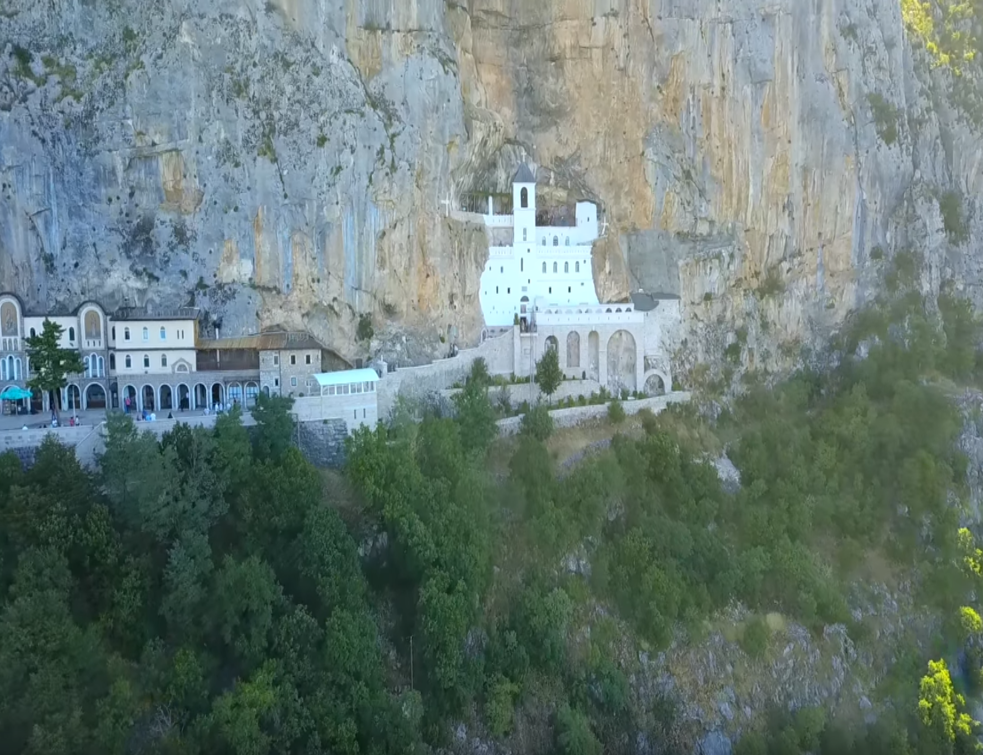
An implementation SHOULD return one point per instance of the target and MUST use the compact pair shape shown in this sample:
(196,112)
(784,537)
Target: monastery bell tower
(524,205)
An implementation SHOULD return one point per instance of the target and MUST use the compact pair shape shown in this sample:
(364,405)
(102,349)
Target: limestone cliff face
(291,161)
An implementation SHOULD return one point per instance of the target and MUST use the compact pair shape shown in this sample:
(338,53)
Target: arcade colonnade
(188,393)
(606,345)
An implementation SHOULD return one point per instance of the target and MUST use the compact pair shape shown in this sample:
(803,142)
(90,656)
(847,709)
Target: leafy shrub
(754,639)
(616,412)
(364,331)
(537,422)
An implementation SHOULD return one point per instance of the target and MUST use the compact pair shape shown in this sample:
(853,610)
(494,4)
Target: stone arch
(234,393)
(92,326)
(217,394)
(74,396)
(593,355)
(9,318)
(95,396)
(252,391)
(552,343)
(148,398)
(183,398)
(622,358)
(166,397)
(656,383)
(201,396)
(573,349)
(129,392)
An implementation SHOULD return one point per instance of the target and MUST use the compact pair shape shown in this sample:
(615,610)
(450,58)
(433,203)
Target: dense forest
(212,592)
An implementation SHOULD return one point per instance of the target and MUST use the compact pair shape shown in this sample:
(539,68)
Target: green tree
(616,412)
(941,710)
(548,372)
(475,415)
(537,422)
(573,733)
(50,363)
(275,426)
(479,373)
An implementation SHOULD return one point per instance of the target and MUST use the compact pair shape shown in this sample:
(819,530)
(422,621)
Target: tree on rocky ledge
(50,363)
(548,372)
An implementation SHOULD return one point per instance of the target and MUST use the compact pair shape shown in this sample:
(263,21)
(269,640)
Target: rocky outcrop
(292,161)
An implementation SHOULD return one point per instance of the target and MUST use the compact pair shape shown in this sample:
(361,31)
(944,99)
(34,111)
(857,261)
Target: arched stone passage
(593,355)
(129,398)
(552,343)
(74,397)
(183,398)
(252,391)
(218,395)
(201,396)
(95,395)
(655,384)
(166,397)
(573,349)
(235,394)
(622,357)
(148,398)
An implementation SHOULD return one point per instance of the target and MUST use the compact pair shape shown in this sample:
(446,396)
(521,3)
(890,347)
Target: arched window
(555,267)
(146,360)
(126,334)
(146,334)
(576,267)
(101,367)
(524,198)
(163,333)
(71,335)
(163,360)
(525,232)
(544,267)
(556,241)
(114,332)
(522,264)
(128,362)
(566,242)
(112,361)
(17,368)
(544,241)
(34,333)
(566,267)
(88,365)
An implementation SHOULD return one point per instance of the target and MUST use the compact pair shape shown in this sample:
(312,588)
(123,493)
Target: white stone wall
(414,382)
(579,414)
(355,409)
(530,392)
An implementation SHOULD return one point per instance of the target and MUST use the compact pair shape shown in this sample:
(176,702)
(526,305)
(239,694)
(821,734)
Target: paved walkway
(91,417)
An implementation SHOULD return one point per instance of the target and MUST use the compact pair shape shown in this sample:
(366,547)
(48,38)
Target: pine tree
(50,363)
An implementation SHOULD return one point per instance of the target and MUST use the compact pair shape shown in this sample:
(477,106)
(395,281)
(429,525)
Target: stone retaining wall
(579,414)
(416,382)
(323,442)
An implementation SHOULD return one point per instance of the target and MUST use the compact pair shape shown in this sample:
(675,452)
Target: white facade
(348,395)
(550,262)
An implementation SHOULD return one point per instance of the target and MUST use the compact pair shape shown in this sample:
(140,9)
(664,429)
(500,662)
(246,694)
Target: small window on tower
(525,232)
(524,198)
(544,267)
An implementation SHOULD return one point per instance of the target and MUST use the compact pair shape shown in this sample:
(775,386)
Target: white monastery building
(542,287)
(549,262)
(348,395)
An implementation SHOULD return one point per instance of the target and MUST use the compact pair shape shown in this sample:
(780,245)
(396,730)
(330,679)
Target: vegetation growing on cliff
(203,593)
